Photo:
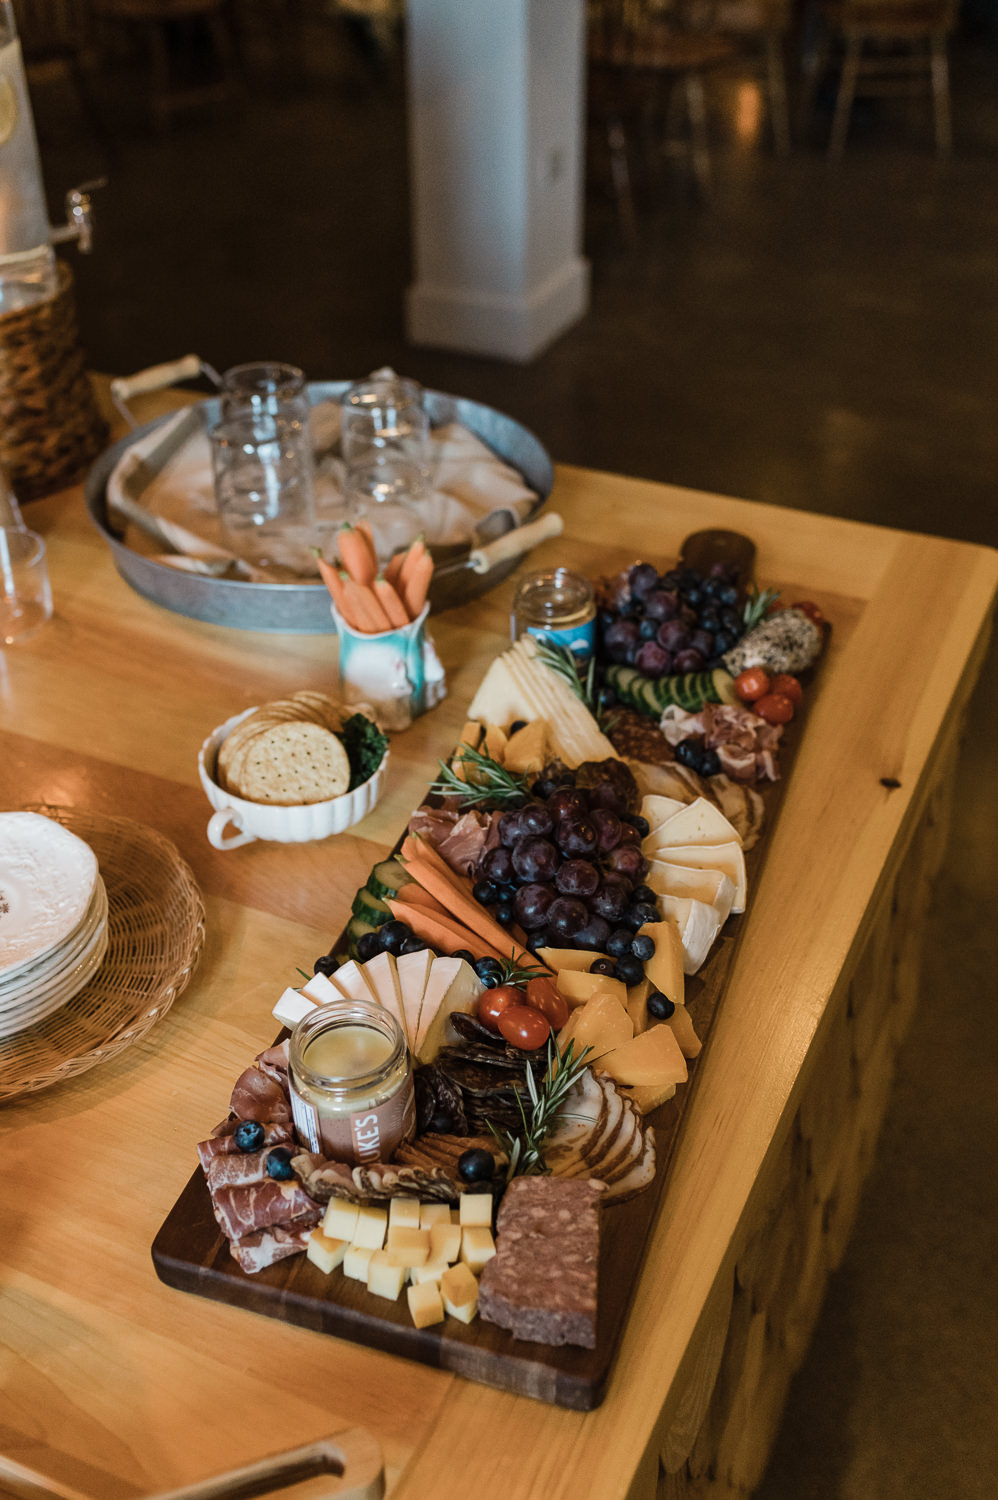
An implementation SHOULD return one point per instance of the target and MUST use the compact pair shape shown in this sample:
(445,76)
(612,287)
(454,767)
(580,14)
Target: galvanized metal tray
(303,609)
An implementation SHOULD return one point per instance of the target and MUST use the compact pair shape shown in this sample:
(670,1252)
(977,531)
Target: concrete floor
(819,339)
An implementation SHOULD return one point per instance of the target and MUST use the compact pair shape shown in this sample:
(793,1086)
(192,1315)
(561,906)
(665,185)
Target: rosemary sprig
(489,781)
(757,603)
(563,661)
(524,1149)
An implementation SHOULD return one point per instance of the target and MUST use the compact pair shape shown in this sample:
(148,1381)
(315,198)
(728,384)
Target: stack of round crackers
(287,753)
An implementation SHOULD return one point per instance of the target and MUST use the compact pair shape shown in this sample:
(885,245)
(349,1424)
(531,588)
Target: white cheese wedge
(698,926)
(384,1276)
(656,809)
(499,699)
(413,971)
(425,1304)
(292,1008)
(325,1253)
(699,823)
(452,985)
(567,717)
(728,858)
(322,990)
(382,975)
(352,982)
(712,886)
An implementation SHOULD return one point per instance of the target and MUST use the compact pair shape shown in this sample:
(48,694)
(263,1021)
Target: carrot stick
(417,549)
(414,846)
(394,568)
(414,895)
(390,602)
(414,590)
(365,607)
(466,910)
(364,527)
(441,932)
(356,555)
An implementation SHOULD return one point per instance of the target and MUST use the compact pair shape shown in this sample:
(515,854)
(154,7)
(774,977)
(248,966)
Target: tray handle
(351,1462)
(521,539)
(156,378)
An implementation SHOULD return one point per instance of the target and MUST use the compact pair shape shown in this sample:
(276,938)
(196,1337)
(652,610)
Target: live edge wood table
(115,1385)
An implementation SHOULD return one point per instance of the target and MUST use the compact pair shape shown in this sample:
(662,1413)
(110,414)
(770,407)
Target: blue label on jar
(580,639)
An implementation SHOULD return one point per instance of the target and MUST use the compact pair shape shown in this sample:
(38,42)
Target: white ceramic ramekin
(279,825)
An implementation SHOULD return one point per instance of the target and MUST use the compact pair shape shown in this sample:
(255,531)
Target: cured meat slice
(541,1283)
(238,1169)
(255,1252)
(375,1183)
(275,1063)
(245,1210)
(224,1144)
(257,1097)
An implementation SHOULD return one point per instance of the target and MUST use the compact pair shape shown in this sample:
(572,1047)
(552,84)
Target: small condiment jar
(351,1082)
(556,605)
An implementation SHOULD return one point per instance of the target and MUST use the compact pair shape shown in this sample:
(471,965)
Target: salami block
(541,1283)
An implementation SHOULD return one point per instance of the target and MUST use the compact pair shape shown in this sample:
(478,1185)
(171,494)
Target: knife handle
(521,539)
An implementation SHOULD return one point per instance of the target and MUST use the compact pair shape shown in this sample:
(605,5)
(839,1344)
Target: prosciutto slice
(274,1062)
(255,1252)
(223,1144)
(461,838)
(258,1097)
(238,1169)
(245,1210)
(745,744)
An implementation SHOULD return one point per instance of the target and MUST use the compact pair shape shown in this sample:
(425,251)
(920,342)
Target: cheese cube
(384,1278)
(433,1213)
(407,1247)
(431,1271)
(404,1213)
(475,1208)
(356,1261)
(325,1253)
(340,1219)
(459,1293)
(445,1241)
(425,1305)
(477,1247)
(371,1225)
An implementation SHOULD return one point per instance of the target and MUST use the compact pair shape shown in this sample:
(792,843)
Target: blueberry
(466,954)
(604,966)
(279,1163)
(644,893)
(637,914)
(413,945)
(503,913)
(487,965)
(689,751)
(643,947)
(710,763)
(476,1165)
(731,619)
(442,1123)
(728,595)
(536,940)
(660,1006)
(724,640)
(630,970)
(517,725)
(641,824)
(485,892)
(248,1135)
(326,964)
(619,942)
(393,935)
(648,630)
(368,945)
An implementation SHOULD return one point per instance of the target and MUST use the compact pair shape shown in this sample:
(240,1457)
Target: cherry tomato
(809,608)
(788,686)
(544,995)
(524,1027)
(775,708)
(751,684)
(492,1003)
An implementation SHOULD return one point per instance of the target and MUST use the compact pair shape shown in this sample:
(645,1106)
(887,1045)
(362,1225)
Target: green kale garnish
(365,746)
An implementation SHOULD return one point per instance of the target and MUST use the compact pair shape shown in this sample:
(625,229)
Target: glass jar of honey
(558,606)
(351,1082)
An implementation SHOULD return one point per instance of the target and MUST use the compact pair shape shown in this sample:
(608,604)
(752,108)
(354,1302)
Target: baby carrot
(366,608)
(334,583)
(390,602)
(410,562)
(415,589)
(364,527)
(356,554)
(394,568)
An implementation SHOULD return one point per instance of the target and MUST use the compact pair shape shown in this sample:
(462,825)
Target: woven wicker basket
(50,428)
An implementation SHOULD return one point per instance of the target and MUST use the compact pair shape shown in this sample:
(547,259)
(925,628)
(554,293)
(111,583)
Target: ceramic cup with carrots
(387,659)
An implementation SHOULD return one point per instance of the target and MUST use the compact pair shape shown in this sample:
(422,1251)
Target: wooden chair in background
(150,20)
(889,47)
(759,28)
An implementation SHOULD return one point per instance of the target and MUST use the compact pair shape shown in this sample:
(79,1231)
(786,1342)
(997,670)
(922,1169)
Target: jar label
(580,639)
(363,1135)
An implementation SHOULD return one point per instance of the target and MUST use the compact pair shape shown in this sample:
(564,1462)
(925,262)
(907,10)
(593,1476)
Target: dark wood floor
(822,339)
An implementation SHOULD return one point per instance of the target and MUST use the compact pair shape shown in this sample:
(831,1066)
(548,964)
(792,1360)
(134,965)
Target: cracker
(293,764)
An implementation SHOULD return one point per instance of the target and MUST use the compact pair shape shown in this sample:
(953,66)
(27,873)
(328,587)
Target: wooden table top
(117,1385)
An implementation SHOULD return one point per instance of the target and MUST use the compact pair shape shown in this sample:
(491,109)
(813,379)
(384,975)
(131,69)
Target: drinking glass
(25,592)
(263,488)
(385,493)
(264,388)
(385,417)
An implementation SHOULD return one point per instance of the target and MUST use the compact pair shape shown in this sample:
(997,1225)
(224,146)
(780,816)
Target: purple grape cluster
(569,869)
(678,621)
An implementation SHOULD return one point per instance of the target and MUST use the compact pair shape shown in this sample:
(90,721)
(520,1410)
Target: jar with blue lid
(558,606)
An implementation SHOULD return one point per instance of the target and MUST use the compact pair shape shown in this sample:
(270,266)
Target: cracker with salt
(293,764)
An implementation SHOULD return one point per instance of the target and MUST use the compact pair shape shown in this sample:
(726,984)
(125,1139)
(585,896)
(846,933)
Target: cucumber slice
(356,929)
(387,879)
(724,686)
(370,908)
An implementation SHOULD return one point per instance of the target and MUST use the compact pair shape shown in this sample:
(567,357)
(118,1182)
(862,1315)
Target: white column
(496,129)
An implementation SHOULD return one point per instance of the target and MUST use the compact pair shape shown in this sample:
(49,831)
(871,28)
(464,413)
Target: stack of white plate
(53,918)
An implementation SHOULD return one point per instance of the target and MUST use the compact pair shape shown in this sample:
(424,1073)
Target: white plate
(26,976)
(33,986)
(69,985)
(47,878)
